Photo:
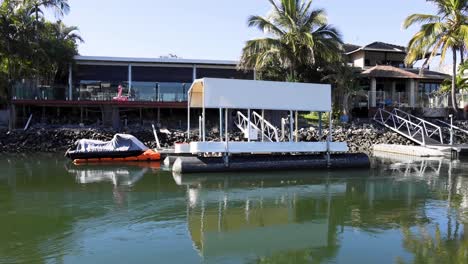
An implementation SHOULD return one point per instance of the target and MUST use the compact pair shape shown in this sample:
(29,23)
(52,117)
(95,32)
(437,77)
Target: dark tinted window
(224,73)
(162,74)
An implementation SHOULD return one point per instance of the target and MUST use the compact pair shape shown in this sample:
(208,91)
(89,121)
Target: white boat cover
(120,142)
(251,94)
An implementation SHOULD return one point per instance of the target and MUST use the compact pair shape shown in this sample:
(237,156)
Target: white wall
(358,59)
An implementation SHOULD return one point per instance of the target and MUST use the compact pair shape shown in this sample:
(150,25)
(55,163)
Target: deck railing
(268,131)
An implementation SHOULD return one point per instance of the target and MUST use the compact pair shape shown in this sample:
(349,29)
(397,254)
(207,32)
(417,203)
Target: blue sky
(217,29)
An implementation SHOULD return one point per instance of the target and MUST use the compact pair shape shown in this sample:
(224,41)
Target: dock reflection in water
(305,217)
(258,218)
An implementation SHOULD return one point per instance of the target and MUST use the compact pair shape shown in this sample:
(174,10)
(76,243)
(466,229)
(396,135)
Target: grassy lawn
(314,117)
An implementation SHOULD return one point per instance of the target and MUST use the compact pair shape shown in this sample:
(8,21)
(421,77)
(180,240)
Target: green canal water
(400,211)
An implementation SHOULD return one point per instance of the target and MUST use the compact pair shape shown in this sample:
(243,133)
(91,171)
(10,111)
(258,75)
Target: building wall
(144,81)
(357,59)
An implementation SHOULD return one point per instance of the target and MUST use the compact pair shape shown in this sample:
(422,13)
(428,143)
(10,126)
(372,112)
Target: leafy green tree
(298,37)
(439,33)
(32,48)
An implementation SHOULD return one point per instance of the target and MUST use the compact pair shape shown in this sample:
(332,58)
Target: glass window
(96,90)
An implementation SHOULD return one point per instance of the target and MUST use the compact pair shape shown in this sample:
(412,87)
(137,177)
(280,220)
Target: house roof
(104,59)
(348,47)
(374,46)
(387,71)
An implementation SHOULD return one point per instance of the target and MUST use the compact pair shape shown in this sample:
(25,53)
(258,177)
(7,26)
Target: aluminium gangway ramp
(414,128)
(258,125)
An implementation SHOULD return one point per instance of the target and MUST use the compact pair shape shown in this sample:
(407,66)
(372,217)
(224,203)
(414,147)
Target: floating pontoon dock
(254,97)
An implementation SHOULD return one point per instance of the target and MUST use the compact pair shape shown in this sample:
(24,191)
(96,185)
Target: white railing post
(221,124)
(263,124)
(291,126)
(248,125)
(200,127)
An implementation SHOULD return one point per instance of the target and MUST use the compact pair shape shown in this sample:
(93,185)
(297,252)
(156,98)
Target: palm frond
(420,18)
(264,25)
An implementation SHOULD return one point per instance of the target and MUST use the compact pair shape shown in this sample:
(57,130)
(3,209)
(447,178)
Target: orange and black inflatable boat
(148,155)
(122,148)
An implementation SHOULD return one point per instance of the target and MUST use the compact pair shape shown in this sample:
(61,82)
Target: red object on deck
(119,96)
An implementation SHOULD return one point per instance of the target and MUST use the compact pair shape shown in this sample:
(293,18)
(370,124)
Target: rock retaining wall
(360,138)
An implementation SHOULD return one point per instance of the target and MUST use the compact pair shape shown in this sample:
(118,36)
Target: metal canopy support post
(320,124)
(194,72)
(202,131)
(203,122)
(330,126)
(221,124)
(188,118)
(158,93)
(226,150)
(295,123)
(290,126)
(200,127)
(226,125)
(263,124)
(248,126)
(129,79)
(329,138)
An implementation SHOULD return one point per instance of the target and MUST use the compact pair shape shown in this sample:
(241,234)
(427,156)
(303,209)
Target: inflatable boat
(121,148)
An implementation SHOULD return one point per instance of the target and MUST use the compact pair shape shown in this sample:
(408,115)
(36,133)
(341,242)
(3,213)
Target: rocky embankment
(360,138)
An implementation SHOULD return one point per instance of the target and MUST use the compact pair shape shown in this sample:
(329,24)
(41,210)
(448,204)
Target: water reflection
(230,217)
(314,217)
(401,211)
(119,175)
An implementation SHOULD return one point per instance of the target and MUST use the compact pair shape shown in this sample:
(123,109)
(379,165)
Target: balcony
(98,91)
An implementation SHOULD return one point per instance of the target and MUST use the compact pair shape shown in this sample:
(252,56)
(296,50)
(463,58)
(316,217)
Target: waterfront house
(156,88)
(386,81)
(150,88)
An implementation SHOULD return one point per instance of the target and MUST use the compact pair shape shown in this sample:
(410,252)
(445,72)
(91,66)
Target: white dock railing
(258,125)
(249,129)
(268,131)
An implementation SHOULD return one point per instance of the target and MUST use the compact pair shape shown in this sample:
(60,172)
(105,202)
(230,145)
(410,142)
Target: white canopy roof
(249,94)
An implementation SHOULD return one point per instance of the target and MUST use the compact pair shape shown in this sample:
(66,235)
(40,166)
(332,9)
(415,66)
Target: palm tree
(64,32)
(447,30)
(346,82)
(298,36)
(60,7)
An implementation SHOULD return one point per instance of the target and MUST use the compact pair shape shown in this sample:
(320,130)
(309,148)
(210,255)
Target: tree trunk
(462,55)
(9,89)
(346,105)
(454,81)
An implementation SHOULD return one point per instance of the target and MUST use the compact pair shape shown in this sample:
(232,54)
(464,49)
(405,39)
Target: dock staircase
(260,128)
(414,128)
